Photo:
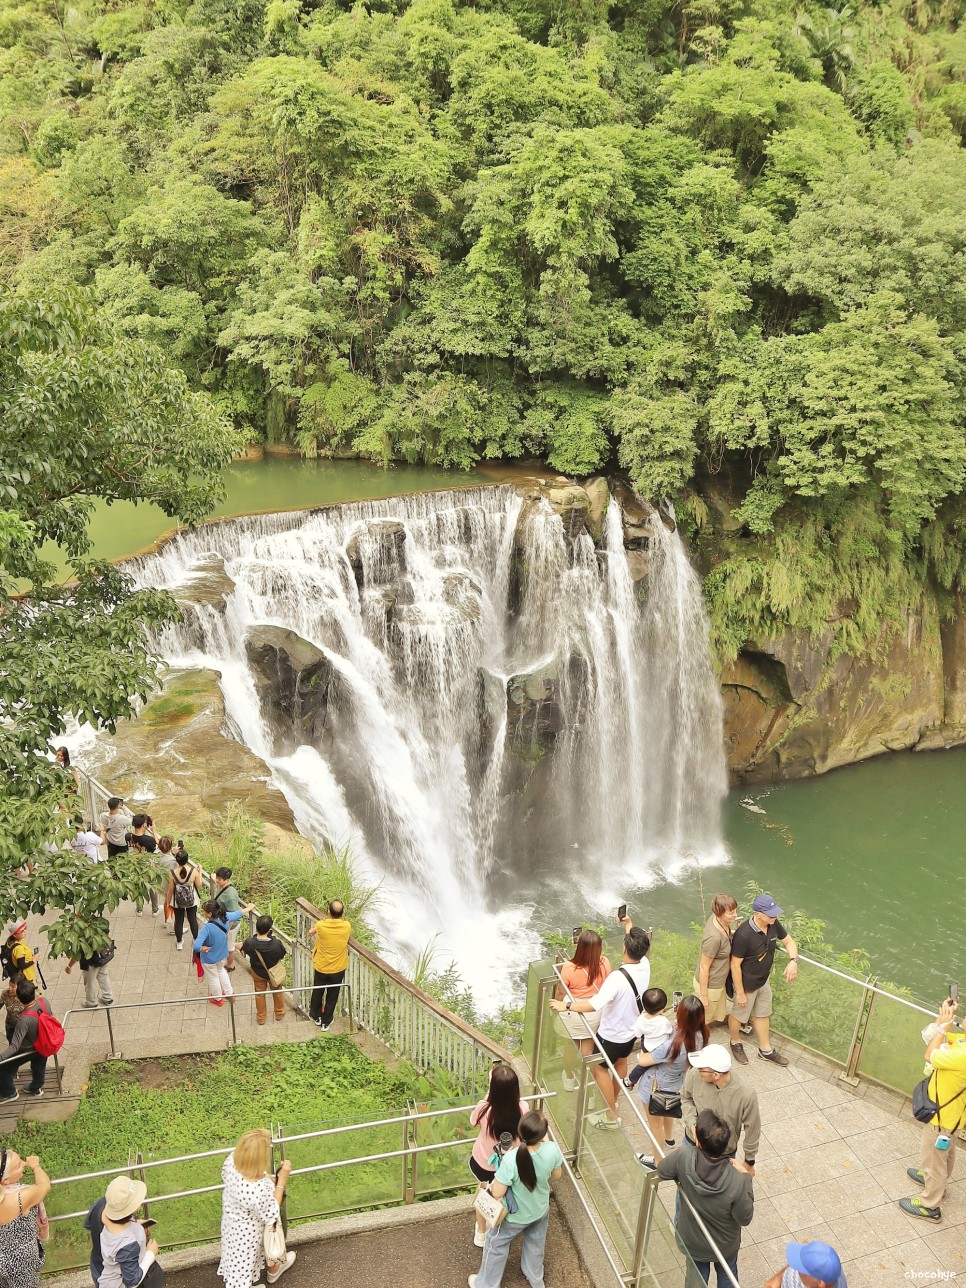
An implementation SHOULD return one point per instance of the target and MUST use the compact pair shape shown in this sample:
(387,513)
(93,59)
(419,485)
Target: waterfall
(502,700)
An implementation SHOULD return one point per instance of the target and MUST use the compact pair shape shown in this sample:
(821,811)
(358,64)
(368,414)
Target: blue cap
(766,904)
(816,1259)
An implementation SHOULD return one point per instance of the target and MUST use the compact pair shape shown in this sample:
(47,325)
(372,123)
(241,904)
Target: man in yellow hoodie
(330,961)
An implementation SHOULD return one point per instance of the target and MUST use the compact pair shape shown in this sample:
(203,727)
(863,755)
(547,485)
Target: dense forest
(719,243)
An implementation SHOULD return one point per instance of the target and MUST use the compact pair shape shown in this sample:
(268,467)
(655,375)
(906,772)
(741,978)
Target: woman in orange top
(583,976)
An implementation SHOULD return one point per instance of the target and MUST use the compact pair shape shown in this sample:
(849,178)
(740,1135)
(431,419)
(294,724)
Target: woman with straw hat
(127,1253)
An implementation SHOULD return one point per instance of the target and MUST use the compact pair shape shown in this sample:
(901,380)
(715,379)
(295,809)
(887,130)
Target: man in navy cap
(752,957)
(814,1265)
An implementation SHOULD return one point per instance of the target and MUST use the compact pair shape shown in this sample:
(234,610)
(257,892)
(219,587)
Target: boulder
(572,504)
(292,679)
(532,708)
(382,541)
(598,493)
(793,709)
(210,584)
(178,760)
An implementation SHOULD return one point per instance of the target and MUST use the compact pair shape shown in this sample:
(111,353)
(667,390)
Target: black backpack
(183,895)
(6,961)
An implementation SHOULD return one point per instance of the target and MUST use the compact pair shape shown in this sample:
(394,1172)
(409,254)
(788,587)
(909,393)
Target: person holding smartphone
(946,1067)
(128,1256)
(619,1001)
(581,978)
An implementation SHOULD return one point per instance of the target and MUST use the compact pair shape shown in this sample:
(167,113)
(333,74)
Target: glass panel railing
(818,1010)
(195,1219)
(70,1245)
(445,1170)
(633,1214)
(892,1050)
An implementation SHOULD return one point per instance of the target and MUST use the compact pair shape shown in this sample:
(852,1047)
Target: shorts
(576,1026)
(483,1174)
(718,1002)
(615,1050)
(758,1005)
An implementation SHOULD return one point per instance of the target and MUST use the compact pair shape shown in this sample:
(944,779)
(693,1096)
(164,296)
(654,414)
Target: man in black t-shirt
(263,951)
(752,957)
(144,839)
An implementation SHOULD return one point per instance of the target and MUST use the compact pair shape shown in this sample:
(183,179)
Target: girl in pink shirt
(498,1114)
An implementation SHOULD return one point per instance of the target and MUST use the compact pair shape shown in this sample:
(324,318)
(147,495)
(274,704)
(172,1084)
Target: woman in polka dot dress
(250,1202)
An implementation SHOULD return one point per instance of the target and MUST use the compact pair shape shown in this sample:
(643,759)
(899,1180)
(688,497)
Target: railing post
(580,1110)
(280,1146)
(410,1137)
(642,1231)
(138,1160)
(231,1012)
(538,1027)
(110,1032)
(866,1004)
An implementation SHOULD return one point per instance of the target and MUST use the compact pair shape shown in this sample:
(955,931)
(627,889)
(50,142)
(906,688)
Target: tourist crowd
(680,1076)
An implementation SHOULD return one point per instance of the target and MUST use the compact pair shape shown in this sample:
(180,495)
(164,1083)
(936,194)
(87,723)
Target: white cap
(714,1057)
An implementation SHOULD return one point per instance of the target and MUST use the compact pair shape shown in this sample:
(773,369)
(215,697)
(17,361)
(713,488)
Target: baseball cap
(816,1259)
(712,1057)
(765,903)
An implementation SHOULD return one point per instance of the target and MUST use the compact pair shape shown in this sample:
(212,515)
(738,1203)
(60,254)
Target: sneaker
(669,1143)
(5,1100)
(90,1006)
(603,1123)
(626,1082)
(774,1056)
(916,1174)
(317,1021)
(286,1265)
(34,1094)
(471,1282)
(916,1207)
(180,945)
(746,1029)
(570,1081)
(479,1238)
(140,912)
(647,1161)
(738,1052)
(325,1027)
(217,1001)
(156,913)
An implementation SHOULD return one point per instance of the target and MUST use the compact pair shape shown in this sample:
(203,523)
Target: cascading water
(501,700)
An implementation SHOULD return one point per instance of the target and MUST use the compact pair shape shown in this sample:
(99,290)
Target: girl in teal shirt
(528,1171)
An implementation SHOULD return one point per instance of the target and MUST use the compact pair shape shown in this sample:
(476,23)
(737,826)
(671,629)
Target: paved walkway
(148,968)
(831,1165)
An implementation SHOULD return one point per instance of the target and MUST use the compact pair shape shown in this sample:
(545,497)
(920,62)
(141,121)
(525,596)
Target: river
(873,850)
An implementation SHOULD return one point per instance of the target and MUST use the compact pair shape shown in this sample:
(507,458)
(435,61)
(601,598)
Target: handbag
(492,1210)
(274,1242)
(154,1277)
(276,973)
(664,1104)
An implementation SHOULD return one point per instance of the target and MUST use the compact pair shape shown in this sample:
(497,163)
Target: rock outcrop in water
(792,710)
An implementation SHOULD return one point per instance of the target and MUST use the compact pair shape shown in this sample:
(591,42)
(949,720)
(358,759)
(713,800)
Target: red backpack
(50,1032)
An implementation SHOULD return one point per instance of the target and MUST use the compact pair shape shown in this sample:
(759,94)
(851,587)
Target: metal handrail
(600,1057)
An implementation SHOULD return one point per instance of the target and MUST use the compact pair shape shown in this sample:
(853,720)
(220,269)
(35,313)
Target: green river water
(874,850)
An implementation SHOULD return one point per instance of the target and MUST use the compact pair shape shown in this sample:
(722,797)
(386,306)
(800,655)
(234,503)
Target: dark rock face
(292,677)
(792,709)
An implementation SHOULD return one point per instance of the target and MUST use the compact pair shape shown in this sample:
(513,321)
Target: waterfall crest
(482,697)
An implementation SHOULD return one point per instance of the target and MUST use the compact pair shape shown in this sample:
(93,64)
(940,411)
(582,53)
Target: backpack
(183,895)
(50,1032)
(6,961)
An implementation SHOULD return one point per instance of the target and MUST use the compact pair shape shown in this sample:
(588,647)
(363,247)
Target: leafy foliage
(718,244)
(84,411)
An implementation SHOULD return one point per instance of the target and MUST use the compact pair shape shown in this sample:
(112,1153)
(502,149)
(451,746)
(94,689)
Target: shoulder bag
(276,973)
(637,997)
(492,1210)
(924,1108)
(664,1104)
(274,1243)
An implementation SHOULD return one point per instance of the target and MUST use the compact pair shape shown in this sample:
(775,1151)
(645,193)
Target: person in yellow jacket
(946,1063)
(21,957)
(330,961)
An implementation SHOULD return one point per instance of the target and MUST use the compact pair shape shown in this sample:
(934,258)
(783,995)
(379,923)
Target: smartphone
(577,930)
(148,1222)
(677,997)
(954,993)
(622,912)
